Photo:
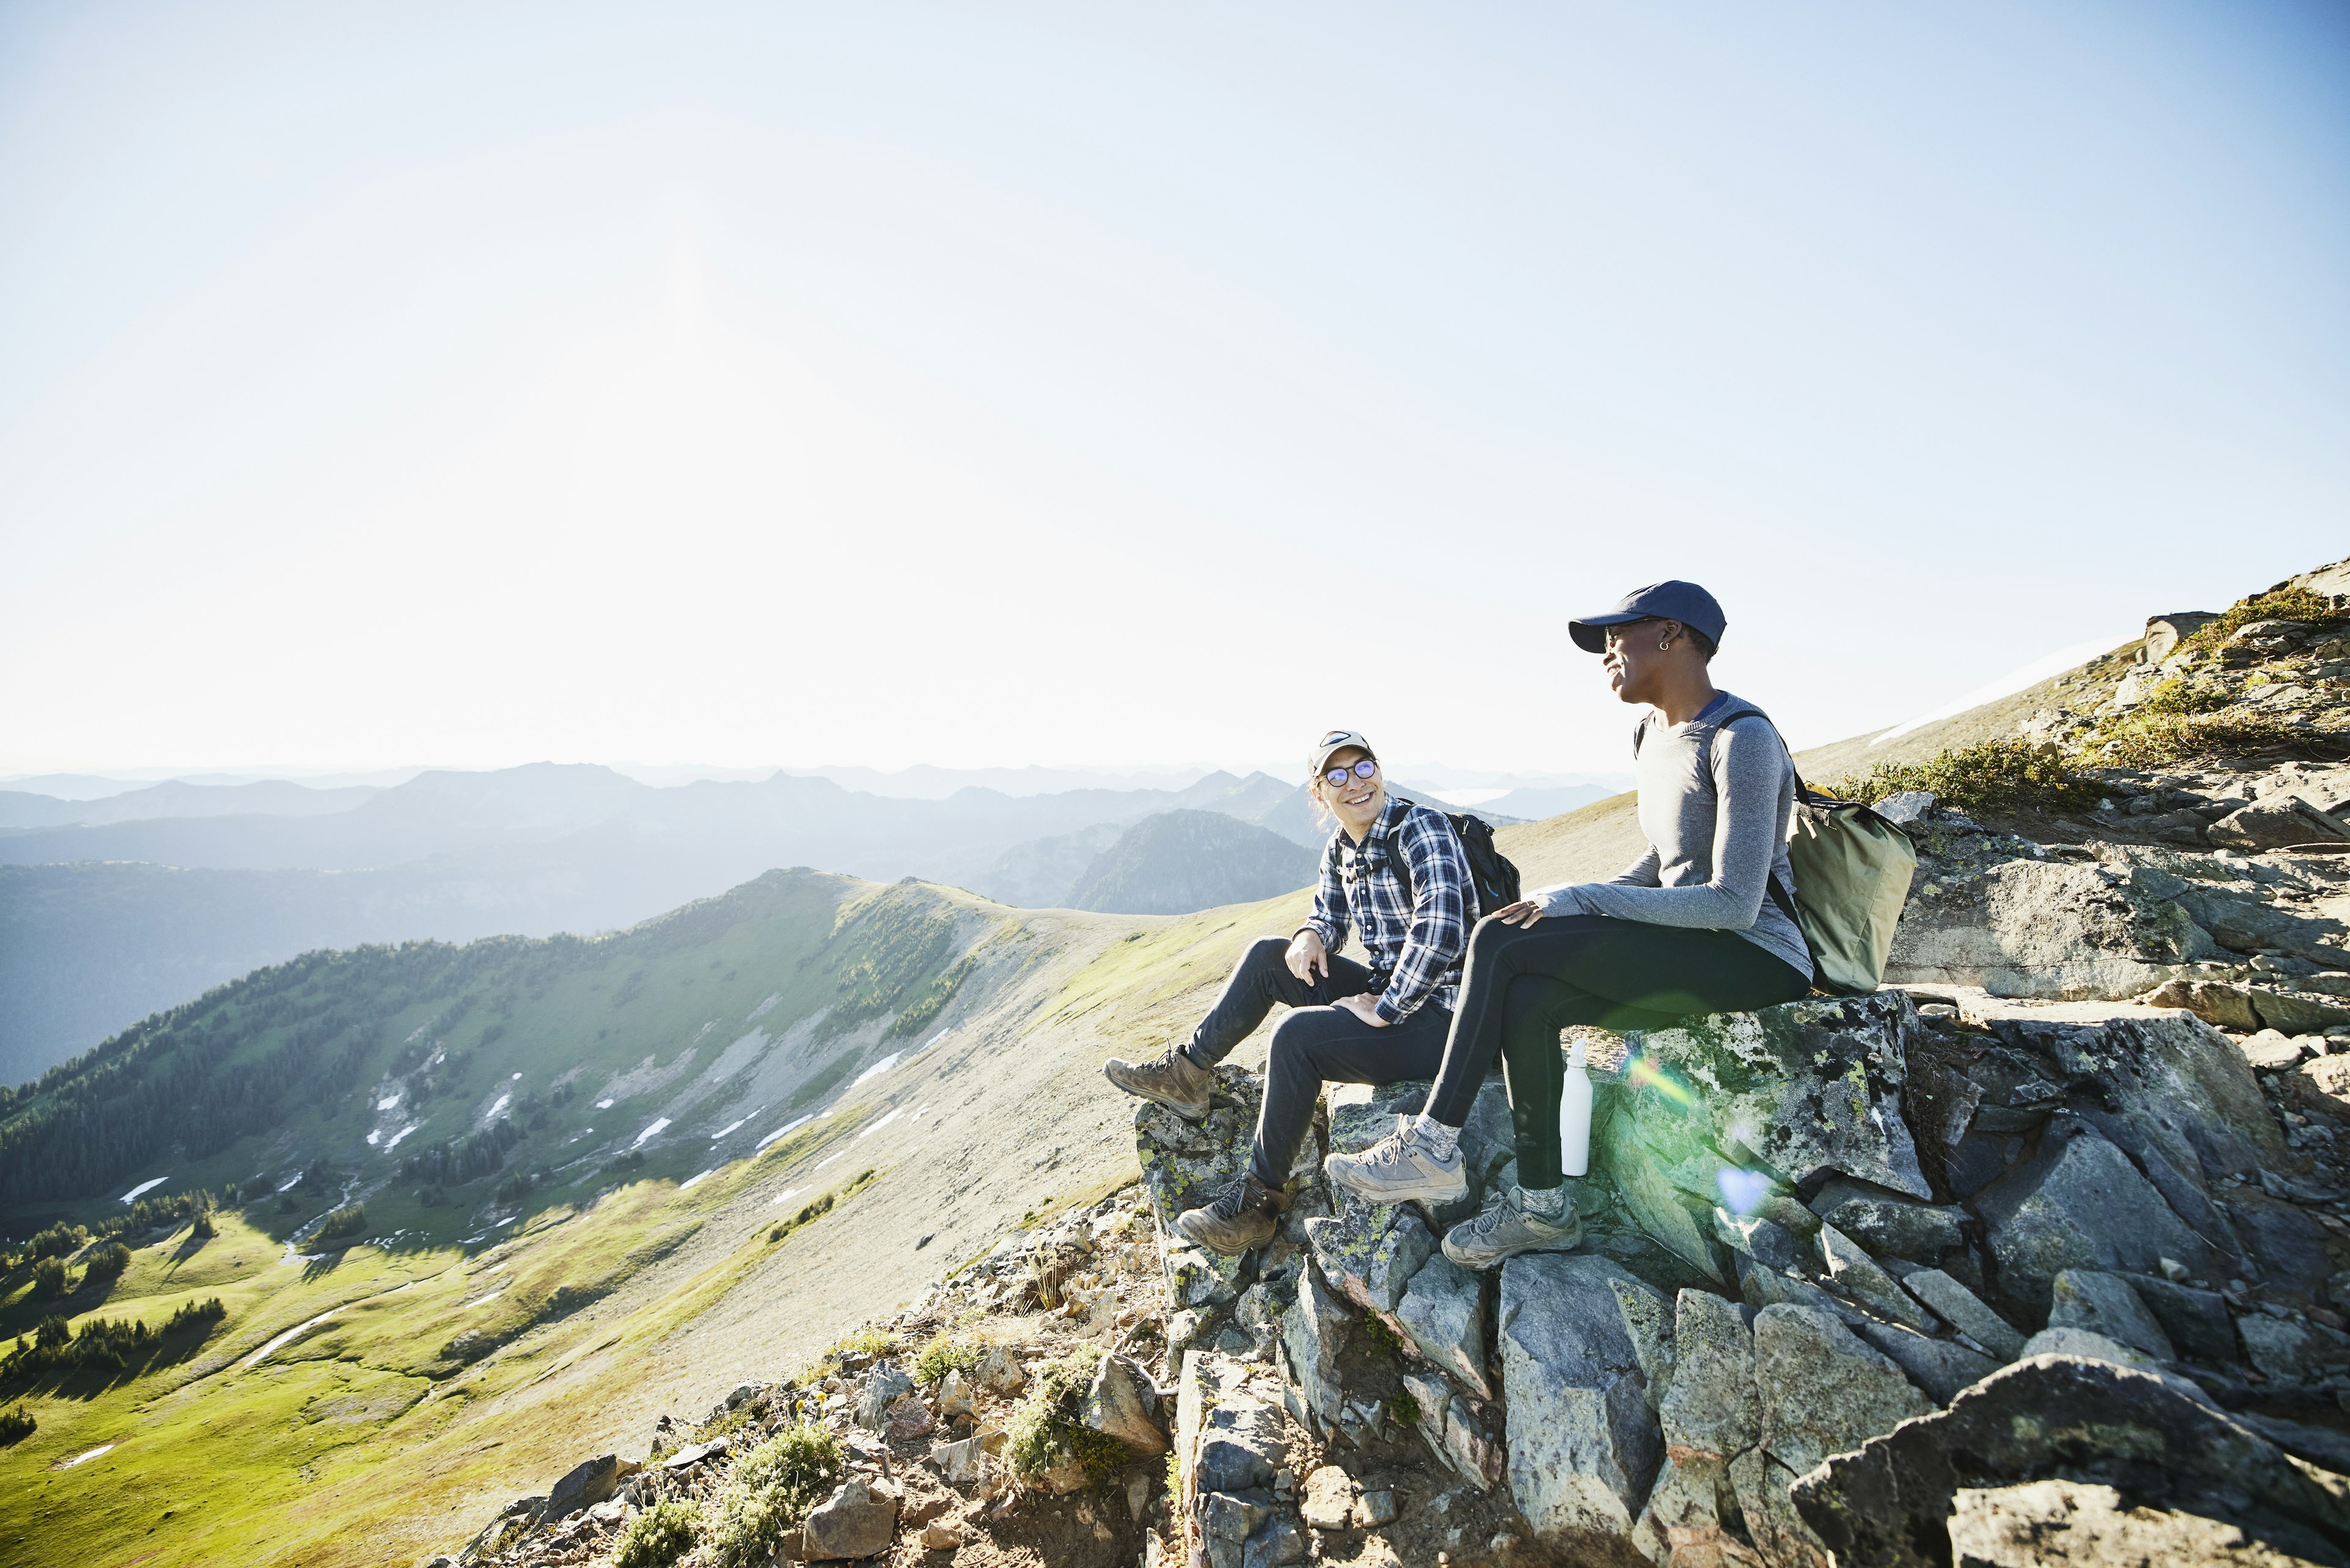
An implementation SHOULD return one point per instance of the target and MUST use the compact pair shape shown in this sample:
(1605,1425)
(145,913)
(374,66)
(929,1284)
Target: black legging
(1523,984)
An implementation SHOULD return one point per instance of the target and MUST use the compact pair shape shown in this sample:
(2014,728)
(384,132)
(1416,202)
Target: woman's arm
(1750,773)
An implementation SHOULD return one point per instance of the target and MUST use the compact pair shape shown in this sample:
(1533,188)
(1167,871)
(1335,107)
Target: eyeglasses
(1361,770)
(1617,634)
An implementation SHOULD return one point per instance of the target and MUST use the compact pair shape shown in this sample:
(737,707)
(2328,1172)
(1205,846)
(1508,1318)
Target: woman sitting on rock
(1693,926)
(1354,1024)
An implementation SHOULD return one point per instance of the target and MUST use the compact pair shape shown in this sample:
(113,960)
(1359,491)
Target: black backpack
(1492,876)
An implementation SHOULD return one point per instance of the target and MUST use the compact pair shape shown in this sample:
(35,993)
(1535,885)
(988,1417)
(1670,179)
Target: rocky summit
(2038,1255)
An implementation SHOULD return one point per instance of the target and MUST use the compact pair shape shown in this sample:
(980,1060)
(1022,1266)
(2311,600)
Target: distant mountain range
(143,899)
(1177,861)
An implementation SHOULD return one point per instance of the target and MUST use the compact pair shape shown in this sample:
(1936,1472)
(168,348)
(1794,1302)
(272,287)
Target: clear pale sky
(996,384)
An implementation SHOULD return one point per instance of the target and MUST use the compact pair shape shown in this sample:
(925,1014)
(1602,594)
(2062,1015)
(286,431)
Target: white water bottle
(1574,1116)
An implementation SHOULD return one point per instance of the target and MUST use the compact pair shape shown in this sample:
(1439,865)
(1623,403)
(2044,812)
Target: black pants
(1317,1044)
(1523,984)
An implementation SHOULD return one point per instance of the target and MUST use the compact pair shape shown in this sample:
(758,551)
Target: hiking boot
(1506,1226)
(1244,1215)
(1402,1167)
(1171,1079)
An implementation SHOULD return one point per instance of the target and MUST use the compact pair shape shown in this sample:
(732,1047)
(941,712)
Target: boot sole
(1427,1192)
(1189,1110)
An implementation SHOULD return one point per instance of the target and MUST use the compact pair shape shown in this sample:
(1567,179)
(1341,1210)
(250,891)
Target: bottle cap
(1577,1055)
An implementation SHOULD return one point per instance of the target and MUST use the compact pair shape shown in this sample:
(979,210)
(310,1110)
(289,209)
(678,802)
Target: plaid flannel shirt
(1415,945)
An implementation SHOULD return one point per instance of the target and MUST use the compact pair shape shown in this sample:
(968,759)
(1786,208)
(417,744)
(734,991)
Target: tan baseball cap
(1331,743)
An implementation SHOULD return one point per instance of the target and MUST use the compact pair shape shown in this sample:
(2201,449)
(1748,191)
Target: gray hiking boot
(1171,1079)
(1400,1167)
(1506,1226)
(1244,1215)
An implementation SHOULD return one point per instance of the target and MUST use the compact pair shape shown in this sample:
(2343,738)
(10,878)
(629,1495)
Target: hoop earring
(1664,645)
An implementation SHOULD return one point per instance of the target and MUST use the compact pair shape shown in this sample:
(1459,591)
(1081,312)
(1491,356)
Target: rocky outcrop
(2080,1423)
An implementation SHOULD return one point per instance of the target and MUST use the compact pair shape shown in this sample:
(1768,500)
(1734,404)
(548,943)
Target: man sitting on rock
(1396,873)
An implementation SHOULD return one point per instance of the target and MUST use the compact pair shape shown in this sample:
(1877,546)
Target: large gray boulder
(1940,1367)
(1823,1390)
(2079,1203)
(1440,1318)
(2047,928)
(1782,1096)
(1892,1503)
(1584,1445)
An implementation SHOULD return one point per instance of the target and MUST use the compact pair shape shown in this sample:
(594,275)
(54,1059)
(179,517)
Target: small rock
(584,1486)
(2105,1303)
(884,1387)
(1375,1507)
(1441,1316)
(2280,1349)
(1906,806)
(1314,1329)
(940,1536)
(907,1418)
(1823,1390)
(955,1395)
(999,1371)
(1886,1223)
(857,1520)
(963,1463)
(1122,1403)
(1940,1367)
(2273,1052)
(1965,1310)
(1329,1500)
(1856,1274)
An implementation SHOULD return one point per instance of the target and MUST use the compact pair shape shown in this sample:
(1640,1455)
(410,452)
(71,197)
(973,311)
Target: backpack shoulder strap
(1804,795)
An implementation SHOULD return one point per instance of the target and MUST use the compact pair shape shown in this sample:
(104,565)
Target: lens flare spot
(1741,1189)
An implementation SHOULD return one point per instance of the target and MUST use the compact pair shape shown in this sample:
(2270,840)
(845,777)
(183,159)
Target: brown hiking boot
(1171,1079)
(1244,1215)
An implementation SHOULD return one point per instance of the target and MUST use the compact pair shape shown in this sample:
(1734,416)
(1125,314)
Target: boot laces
(1232,1202)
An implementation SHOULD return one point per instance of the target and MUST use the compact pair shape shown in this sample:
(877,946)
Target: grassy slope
(364,1442)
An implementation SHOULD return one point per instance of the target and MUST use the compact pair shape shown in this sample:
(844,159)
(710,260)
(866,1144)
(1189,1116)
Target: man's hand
(1525,912)
(1308,958)
(1364,1008)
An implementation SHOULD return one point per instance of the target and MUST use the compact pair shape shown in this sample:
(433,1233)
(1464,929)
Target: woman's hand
(1307,956)
(1364,1008)
(1525,912)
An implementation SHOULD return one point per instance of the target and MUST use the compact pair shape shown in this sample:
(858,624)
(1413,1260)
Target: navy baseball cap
(1684,602)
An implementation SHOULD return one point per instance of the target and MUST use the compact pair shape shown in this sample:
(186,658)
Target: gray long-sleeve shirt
(1715,834)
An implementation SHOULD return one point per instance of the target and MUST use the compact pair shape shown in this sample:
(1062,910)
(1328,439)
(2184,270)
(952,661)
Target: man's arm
(1328,919)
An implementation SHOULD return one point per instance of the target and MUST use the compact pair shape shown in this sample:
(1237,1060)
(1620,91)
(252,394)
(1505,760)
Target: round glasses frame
(1361,770)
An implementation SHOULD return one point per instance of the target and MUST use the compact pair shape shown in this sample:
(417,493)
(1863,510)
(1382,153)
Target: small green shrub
(15,1425)
(2004,775)
(49,1280)
(946,1354)
(659,1536)
(1404,1408)
(2180,695)
(1381,1338)
(2159,740)
(1048,1424)
(771,1492)
(342,1222)
(864,1342)
(201,1227)
(108,1263)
